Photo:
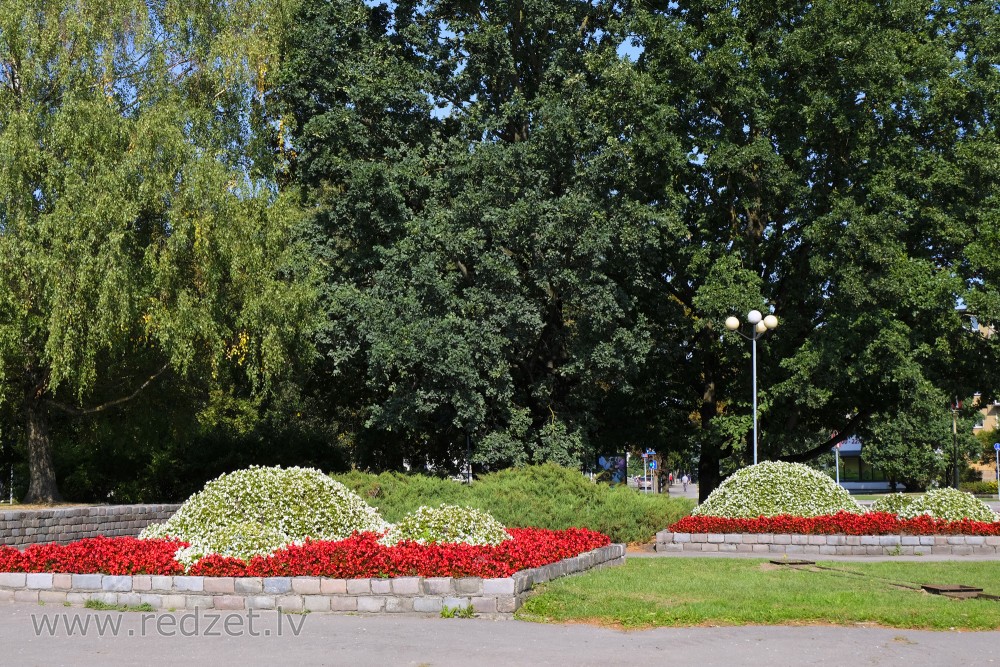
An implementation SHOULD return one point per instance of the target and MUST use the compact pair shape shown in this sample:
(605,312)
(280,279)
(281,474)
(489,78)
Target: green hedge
(979,488)
(544,496)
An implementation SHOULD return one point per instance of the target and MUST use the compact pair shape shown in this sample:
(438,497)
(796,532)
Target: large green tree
(537,215)
(137,235)
(841,171)
(470,173)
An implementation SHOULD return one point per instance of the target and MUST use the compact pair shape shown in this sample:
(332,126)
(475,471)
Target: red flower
(359,556)
(842,523)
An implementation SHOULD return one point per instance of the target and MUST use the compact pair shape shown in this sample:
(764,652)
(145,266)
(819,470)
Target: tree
(469,172)
(838,172)
(137,237)
(533,239)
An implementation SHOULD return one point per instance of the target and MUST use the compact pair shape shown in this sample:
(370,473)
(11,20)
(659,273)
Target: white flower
(260,510)
(775,487)
(447,524)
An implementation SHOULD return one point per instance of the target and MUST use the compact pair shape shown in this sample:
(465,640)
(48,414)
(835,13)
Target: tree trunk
(708,463)
(42,487)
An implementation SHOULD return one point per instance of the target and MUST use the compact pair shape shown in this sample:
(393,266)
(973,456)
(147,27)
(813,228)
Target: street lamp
(759,325)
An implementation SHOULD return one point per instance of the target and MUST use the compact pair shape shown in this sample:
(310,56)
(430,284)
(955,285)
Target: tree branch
(78,412)
(841,436)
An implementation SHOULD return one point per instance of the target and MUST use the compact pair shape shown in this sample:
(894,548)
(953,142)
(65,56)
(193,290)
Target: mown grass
(544,496)
(653,592)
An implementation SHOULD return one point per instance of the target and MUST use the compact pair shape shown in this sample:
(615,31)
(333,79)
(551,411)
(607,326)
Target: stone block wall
(830,545)
(498,597)
(20,528)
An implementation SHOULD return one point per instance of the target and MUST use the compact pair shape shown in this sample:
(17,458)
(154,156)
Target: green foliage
(137,239)
(986,440)
(894,503)
(259,510)
(458,612)
(772,488)
(951,505)
(544,496)
(534,240)
(481,274)
(447,524)
(107,606)
(905,444)
(979,488)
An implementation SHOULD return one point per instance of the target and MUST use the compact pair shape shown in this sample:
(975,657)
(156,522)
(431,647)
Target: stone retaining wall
(428,595)
(66,524)
(831,545)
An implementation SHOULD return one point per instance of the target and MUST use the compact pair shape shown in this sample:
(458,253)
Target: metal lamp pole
(759,325)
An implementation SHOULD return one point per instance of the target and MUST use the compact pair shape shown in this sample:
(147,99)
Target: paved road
(325,639)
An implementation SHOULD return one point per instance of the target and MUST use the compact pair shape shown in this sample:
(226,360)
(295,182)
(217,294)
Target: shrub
(893,503)
(447,524)
(259,510)
(544,496)
(774,488)
(979,488)
(950,505)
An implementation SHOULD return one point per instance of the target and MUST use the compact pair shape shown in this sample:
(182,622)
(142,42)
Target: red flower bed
(109,555)
(842,523)
(359,556)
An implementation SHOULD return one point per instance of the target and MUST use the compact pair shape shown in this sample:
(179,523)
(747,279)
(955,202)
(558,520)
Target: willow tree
(136,236)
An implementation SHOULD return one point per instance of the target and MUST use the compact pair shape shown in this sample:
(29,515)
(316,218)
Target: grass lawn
(652,592)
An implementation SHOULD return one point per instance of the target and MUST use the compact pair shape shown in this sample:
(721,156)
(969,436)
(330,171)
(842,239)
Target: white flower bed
(447,524)
(775,487)
(893,503)
(260,510)
(949,504)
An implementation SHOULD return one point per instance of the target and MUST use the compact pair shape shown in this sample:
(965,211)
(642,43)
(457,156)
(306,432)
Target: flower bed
(308,577)
(359,556)
(842,523)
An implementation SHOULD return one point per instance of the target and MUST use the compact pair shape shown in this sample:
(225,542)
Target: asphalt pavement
(327,639)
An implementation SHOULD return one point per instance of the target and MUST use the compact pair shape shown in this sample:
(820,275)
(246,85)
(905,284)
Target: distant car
(643,483)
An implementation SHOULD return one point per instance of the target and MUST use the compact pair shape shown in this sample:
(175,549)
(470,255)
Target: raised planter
(499,597)
(20,528)
(831,545)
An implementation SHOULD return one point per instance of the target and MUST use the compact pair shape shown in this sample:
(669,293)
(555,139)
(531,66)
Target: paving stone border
(499,597)
(831,545)
(66,524)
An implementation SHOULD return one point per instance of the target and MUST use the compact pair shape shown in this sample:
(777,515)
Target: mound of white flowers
(950,505)
(260,510)
(774,487)
(447,524)
(893,503)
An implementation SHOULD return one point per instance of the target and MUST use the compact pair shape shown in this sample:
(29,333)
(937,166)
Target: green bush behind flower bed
(543,496)
(979,488)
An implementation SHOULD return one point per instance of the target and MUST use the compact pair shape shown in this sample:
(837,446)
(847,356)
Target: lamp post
(759,325)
